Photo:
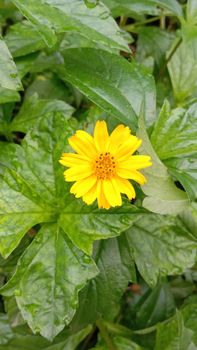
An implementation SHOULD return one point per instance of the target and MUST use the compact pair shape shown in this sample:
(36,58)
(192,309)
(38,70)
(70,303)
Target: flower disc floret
(103,165)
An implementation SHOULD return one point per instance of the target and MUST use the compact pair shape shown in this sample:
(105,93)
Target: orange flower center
(105,166)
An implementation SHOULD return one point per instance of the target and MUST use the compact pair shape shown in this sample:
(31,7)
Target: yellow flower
(103,164)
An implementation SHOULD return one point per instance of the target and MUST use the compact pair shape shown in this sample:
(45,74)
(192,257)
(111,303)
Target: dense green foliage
(74,277)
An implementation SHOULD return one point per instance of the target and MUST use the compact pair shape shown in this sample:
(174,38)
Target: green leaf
(185,171)
(174,139)
(59,16)
(7,95)
(174,335)
(39,108)
(182,68)
(5,330)
(163,196)
(192,11)
(48,278)
(175,132)
(127,7)
(25,64)
(25,341)
(8,75)
(153,42)
(85,224)
(168,246)
(189,312)
(22,39)
(114,84)
(121,343)
(101,296)
(8,155)
(154,306)
(17,213)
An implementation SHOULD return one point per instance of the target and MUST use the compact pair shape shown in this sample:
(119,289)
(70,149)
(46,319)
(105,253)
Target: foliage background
(72,276)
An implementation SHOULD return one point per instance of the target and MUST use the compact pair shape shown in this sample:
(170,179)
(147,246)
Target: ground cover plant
(98,170)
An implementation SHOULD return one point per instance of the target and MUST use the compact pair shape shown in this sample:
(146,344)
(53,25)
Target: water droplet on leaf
(91,3)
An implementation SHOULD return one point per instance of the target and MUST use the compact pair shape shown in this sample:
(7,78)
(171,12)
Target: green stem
(170,56)
(162,22)
(105,335)
(123,21)
(131,27)
(174,49)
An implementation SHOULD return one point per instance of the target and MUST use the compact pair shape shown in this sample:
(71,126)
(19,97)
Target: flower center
(105,166)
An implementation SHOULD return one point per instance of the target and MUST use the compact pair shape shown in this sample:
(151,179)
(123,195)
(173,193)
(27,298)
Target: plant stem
(123,21)
(170,56)
(105,335)
(162,22)
(131,27)
(174,50)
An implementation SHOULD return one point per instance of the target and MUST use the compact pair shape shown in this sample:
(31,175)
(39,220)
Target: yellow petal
(118,136)
(112,192)
(78,173)
(91,195)
(84,136)
(72,159)
(102,201)
(101,136)
(128,147)
(81,187)
(131,174)
(126,187)
(135,162)
(82,146)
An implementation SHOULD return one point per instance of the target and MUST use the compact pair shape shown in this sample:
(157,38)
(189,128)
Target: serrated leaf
(163,196)
(101,296)
(174,139)
(174,335)
(168,246)
(7,95)
(182,68)
(48,278)
(136,7)
(8,75)
(24,341)
(8,155)
(38,107)
(175,132)
(5,330)
(23,38)
(85,224)
(52,16)
(17,213)
(114,84)
(185,171)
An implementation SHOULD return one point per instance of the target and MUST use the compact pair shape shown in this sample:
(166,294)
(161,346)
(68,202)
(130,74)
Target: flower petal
(128,147)
(112,192)
(73,159)
(78,173)
(101,136)
(126,187)
(101,198)
(131,174)
(135,162)
(91,195)
(81,187)
(118,136)
(82,146)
